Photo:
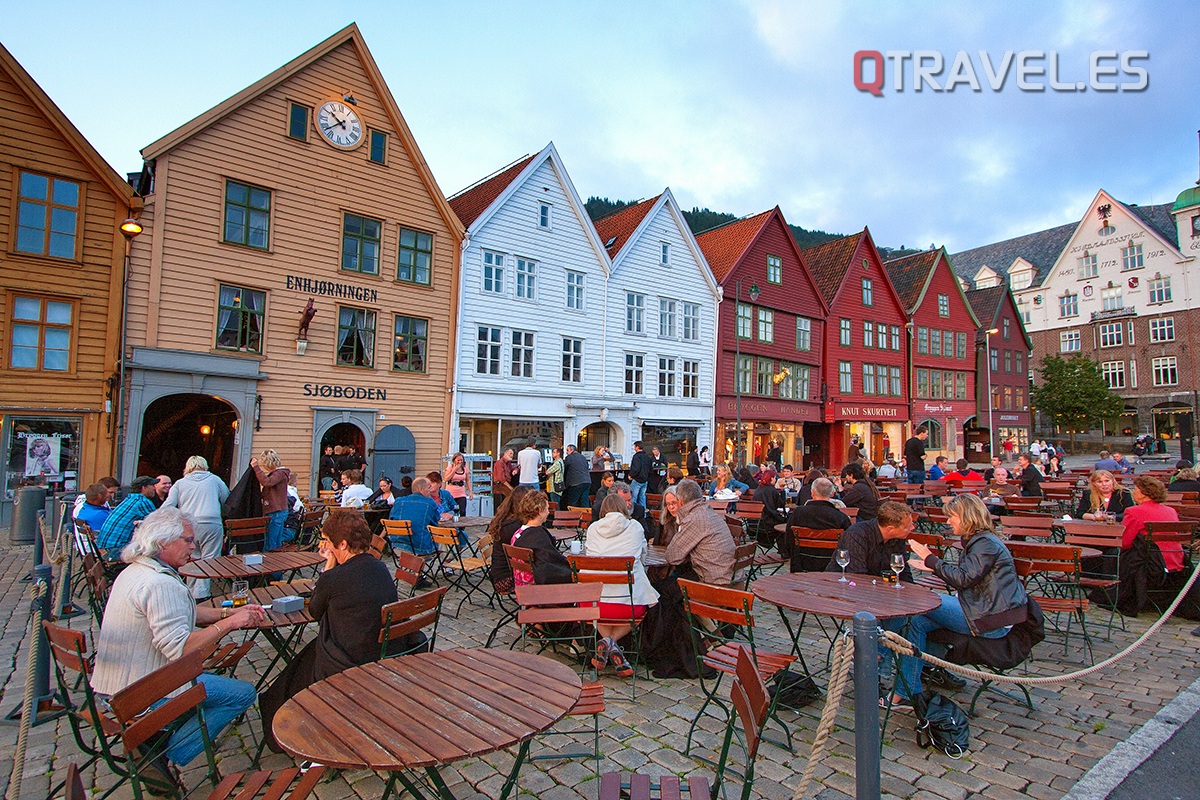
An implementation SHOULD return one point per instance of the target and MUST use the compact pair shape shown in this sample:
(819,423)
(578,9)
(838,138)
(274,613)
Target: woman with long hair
(273,477)
(385,495)
(549,564)
(668,524)
(1105,499)
(859,492)
(724,480)
(504,523)
(457,479)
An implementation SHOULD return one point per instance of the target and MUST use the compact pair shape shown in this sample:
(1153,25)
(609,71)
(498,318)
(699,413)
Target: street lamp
(987,355)
(131,228)
(738,449)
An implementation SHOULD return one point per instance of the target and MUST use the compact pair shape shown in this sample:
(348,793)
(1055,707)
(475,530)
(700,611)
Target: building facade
(61,268)
(297,281)
(1002,369)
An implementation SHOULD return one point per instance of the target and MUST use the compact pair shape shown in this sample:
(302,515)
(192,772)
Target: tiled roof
(1040,249)
(984,303)
(616,228)
(724,245)
(1159,218)
(909,273)
(474,200)
(829,262)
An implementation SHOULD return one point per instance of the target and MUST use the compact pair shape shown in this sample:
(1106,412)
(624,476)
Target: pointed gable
(616,228)
(986,304)
(724,245)
(474,200)
(911,274)
(829,263)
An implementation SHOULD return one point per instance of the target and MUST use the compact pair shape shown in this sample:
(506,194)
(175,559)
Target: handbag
(941,724)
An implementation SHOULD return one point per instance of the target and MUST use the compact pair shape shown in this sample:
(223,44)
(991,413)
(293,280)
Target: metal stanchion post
(42,701)
(866,710)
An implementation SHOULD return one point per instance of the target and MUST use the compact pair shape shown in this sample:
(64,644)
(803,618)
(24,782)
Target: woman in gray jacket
(200,495)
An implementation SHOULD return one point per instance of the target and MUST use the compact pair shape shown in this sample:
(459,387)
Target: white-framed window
(487,350)
(1068,305)
(922,340)
(766,325)
(960,345)
(572,360)
(664,253)
(545,215)
(493,272)
(994,359)
(1069,342)
(1162,330)
(522,354)
(1021,280)
(691,322)
(943,305)
(895,333)
(575,281)
(635,364)
(894,374)
(1133,373)
(1160,290)
(356,337)
(1114,374)
(635,312)
(690,375)
(774,269)
(844,332)
(801,382)
(1023,310)
(666,318)
(868,334)
(764,385)
(1131,257)
(868,292)
(526,279)
(1131,341)
(1165,371)
(745,321)
(1007,328)
(803,333)
(666,376)
(881,336)
(935,342)
(1111,298)
(845,377)
(1111,334)
(868,379)
(1089,265)
(742,375)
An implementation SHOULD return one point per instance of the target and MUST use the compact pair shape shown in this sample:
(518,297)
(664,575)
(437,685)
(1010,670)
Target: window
(47,216)
(635,312)
(1110,334)
(1089,266)
(935,342)
(868,378)
(1162,330)
(995,360)
(844,332)
(1196,226)
(691,379)
(1131,257)
(960,386)
(868,334)
(868,293)
(895,331)
(522,354)
(787,382)
(487,351)
(745,320)
(894,372)
(1111,300)
(545,217)
(1021,280)
(298,122)
(378,151)
(1008,361)
(922,383)
(41,334)
(572,360)
(742,374)
(766,371)
(493,272)
(1068,342)
(691,322)
(934,442)
(922,340)
(416,257)
(960,345)
(575,290)
(881,336)
(845,378)
(666,318)
(1114,374)
(526,279)
(943,305)
(1133,373)
(635,364)
(1020,368)
(1165,373)
(360,244)
(802,381)
(240,319)
(411,344)
(1068,305)
(666,377)
(1131,333)
(247,215)
(1006,328)
(803,333)
(935,384)
(356,337)
(774,269)
(1023,310)
(1008,398)
(1160,290)
(664,253)
(766,325)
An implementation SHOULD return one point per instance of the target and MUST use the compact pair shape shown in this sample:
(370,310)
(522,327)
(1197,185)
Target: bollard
(67,607)
(42,700)
(866,710)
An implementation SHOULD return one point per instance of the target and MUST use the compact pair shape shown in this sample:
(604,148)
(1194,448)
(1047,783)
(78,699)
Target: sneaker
(603,651)
(896,703)
(617,658)
(942,678)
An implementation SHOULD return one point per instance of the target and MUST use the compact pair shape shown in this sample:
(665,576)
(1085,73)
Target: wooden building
(61,259)
(297,281)
(1002,370)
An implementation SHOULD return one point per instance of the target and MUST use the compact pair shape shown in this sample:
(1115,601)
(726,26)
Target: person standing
(693,463)
(853,451)
(200,495)
(273,478)
(639,473)
(528,461)
(658,471)
(458,481)
(775,455)
(353,459)
(1035,450)
(502,473)
(328,468)
(577,478)
(1009,446)
(555,483)
(914,455)
(705,461)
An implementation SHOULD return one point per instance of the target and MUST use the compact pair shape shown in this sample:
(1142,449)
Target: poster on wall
(41,451)
(42,454)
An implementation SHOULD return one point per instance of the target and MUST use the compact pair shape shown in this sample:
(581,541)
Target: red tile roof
(829,263)
(474,200)
(909,274)
(618,226)
(724,245)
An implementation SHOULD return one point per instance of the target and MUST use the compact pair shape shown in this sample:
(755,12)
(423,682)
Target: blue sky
(735,106)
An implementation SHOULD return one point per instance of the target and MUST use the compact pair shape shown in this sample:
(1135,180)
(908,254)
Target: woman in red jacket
(274,481)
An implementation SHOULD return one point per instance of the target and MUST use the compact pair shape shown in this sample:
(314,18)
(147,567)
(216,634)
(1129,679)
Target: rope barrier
(39,589)
(839,675)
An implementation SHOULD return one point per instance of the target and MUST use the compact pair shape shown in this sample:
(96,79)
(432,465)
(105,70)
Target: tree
(1074,394)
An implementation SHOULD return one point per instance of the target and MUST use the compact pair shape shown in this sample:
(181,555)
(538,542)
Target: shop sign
(344,291)
(1009,418)
(869,412)
(344,392)
(771,410)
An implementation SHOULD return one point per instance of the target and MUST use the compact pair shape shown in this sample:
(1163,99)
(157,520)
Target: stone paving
(1014,752)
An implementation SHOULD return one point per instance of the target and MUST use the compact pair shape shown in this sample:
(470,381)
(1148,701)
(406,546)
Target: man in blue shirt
(939,468)
(421,510)
(1107,462)
(94,510)
(118,528)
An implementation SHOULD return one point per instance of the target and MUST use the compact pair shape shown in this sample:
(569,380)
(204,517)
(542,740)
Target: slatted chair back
(553,505)
(566,520)
(408,569)
(92,726)
(520,559)
(736,529)
(850,512)
(246,535)
(1052,575)
(725,608)
(85,539)
(399,529)
(444,537)
(743,564)
(1171,533)
(97,584)
(749,510)
(379,545)
(1186,511)
(607,570)
(937,516)
(404,617)
(1015,503)
(939,488)
(310,526)
(823,539)
(653,501)
(546,611)
(1089,529)
(933,541)
(972,486)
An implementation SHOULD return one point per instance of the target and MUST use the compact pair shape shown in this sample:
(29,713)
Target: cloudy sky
(737,106)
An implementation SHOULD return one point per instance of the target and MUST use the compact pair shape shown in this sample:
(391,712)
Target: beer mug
(240,594)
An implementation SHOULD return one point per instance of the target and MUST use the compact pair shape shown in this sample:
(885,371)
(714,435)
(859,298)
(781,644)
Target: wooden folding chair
(403,617)
(1051,574)
(519,558)
(743,565)
(613,571)
(1102,573)
(556,614)
(246,535)
(589,704)
(817,544)
(310,528)
(409,567)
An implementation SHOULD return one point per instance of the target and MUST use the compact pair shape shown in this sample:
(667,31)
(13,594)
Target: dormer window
(1021,280)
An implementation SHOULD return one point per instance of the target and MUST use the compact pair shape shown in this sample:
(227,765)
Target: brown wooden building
(305,188)
(61,257)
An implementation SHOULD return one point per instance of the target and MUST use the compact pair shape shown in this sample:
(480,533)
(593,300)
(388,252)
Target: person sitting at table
(118,528)
(873,542)
(889,469)
(502,527)
(1030,476)
(94,510)
(725,482)
(787,482)
(668,524)
(1142,569)
(962,472)
(421,510)
(813,475)
(772,511)
(703,538)
(354,492)
(674,476)
(151,620)
(384,496)
(405,486)
(636,510)
(1055,469)
(1000,476)
(1184,481)
(819,513)
(990,599)
(615,534)
(346,602)
(859,492)
(607,481)
(990,472)
(549,564)
(941,465)
(1104,497)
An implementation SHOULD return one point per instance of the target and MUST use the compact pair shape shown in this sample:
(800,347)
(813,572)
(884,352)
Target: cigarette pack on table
(252,559)
(288,604)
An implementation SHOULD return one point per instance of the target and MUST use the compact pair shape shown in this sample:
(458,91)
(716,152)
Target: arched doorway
(179,426)
(598,434)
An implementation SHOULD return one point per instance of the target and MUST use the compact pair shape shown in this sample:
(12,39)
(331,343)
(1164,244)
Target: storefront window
(673,442)
(42,451)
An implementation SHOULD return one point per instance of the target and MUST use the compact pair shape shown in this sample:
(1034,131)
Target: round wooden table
(275,625)
(235,568)
(822,594)
(425,710)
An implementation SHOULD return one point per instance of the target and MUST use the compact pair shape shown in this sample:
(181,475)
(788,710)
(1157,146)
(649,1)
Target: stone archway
(178,426)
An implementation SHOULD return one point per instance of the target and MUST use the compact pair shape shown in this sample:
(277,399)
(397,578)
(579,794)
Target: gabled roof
(1041,249)
(1159,218)
(616,228)
(70,134)
(350,34)
(912,275)
(830,261)
(986,303)
(725,244)
(474,200)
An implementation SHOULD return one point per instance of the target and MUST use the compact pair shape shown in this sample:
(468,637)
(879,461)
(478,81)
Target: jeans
(226,699)
(577,496)
(420,543)
(327,483)
(275,521)
(639,492)
(950,616)
(916,476)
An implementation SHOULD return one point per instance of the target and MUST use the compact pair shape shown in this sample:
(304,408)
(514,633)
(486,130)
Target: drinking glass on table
(843,561)
(897,566)
(240,593)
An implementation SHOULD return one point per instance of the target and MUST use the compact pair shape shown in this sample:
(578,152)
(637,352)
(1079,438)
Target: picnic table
(422,711)
(235,568)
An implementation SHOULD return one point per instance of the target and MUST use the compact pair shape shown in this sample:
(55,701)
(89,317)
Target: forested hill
(702,219)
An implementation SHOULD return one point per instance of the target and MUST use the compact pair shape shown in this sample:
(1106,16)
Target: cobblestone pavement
(1014,752)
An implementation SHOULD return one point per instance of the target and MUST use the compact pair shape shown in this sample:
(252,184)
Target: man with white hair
(152,620)
(818,513)
(200,495)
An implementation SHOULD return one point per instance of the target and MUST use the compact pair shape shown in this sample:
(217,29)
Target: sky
(736,106)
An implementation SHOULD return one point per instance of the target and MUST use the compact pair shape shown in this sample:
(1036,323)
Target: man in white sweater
(200,495)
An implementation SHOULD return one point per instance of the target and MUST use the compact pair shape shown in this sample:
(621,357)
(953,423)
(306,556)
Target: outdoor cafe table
(235,568)
(422,711)
(275,625)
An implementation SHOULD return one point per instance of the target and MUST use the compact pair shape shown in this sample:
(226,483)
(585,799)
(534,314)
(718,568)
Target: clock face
(339,125)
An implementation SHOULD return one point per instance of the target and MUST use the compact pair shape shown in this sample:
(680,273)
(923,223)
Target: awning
(1171,408)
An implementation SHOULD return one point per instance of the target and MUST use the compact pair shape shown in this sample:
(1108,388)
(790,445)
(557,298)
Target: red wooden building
(866,379)
(1003,363)
(941,350)
(770,329)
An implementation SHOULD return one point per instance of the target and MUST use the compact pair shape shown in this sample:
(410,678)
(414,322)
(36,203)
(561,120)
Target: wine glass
(897,566)
(843,561)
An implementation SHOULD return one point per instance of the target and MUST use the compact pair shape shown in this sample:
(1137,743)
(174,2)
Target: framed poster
(41,451)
